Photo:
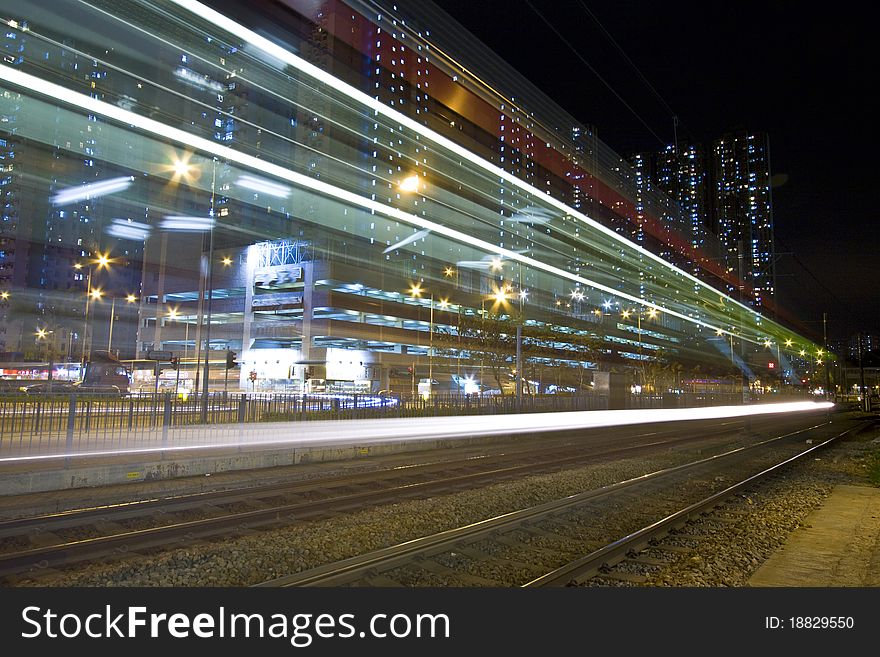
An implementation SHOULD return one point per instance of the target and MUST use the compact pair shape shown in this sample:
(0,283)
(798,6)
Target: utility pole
(827,355)
(741,288)
(866,398)
(209,285)
(519,367)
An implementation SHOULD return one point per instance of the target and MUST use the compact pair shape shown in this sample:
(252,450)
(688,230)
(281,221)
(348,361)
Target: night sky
(797,73)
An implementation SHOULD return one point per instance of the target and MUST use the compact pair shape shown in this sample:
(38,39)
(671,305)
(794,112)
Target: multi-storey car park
(349,197)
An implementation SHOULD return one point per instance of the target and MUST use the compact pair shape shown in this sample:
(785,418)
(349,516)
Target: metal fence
(52,423)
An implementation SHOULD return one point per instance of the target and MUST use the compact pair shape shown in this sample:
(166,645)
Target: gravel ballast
(727,554)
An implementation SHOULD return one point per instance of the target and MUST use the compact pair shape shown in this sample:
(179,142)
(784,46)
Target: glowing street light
(130,298)
(101,261)
(500,295)
(226,261)
(181,169)
(409,184)
(415,290)
(652,314)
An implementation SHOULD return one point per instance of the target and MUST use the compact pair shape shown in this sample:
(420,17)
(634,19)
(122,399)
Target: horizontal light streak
(473,264)
(391,430)
(187,224)
(264,186)
(92,190)
(128,230)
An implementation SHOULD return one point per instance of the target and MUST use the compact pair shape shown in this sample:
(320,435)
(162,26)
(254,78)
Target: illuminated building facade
(332,191)
(743,212)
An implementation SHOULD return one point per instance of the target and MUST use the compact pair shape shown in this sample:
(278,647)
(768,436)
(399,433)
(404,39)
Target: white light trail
(390,430)
(128,230)
(187,224)
(412,238)
(264,186)
(92,190)
(473,264)
(539,216)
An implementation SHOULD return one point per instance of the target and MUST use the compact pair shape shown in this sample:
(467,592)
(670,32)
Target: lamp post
(501,297)
(103,262)
(652,314)
(43,335)
(825,346)
(416,292)
(130,298)
(210,291)
(172,315)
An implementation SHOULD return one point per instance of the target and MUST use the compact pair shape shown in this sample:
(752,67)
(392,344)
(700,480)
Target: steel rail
(122,543)
(348,570)
(114,512)
(605,557)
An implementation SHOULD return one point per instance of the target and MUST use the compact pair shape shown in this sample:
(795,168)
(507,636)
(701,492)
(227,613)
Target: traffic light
(230,360)
(175,362)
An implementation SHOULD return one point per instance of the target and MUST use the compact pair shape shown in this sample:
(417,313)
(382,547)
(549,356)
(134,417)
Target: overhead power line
(675,120)
(595,72)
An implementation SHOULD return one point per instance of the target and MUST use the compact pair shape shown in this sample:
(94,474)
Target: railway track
(604,562)
(84,535)
(515,548)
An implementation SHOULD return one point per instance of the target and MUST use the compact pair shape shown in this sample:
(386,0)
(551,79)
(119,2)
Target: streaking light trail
(187,224)
(389,430)
(408,240)
(92,190)
(264,186)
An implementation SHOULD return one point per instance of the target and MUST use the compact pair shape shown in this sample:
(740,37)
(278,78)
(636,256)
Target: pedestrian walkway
(838,546)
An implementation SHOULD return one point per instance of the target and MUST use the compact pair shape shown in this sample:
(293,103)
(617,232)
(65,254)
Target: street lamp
(130,298)
(102,261)
(416,292)
(652,314)
(43,335)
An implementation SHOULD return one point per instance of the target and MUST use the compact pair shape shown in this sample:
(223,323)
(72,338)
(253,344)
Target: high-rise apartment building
(742,212)
(723,202)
